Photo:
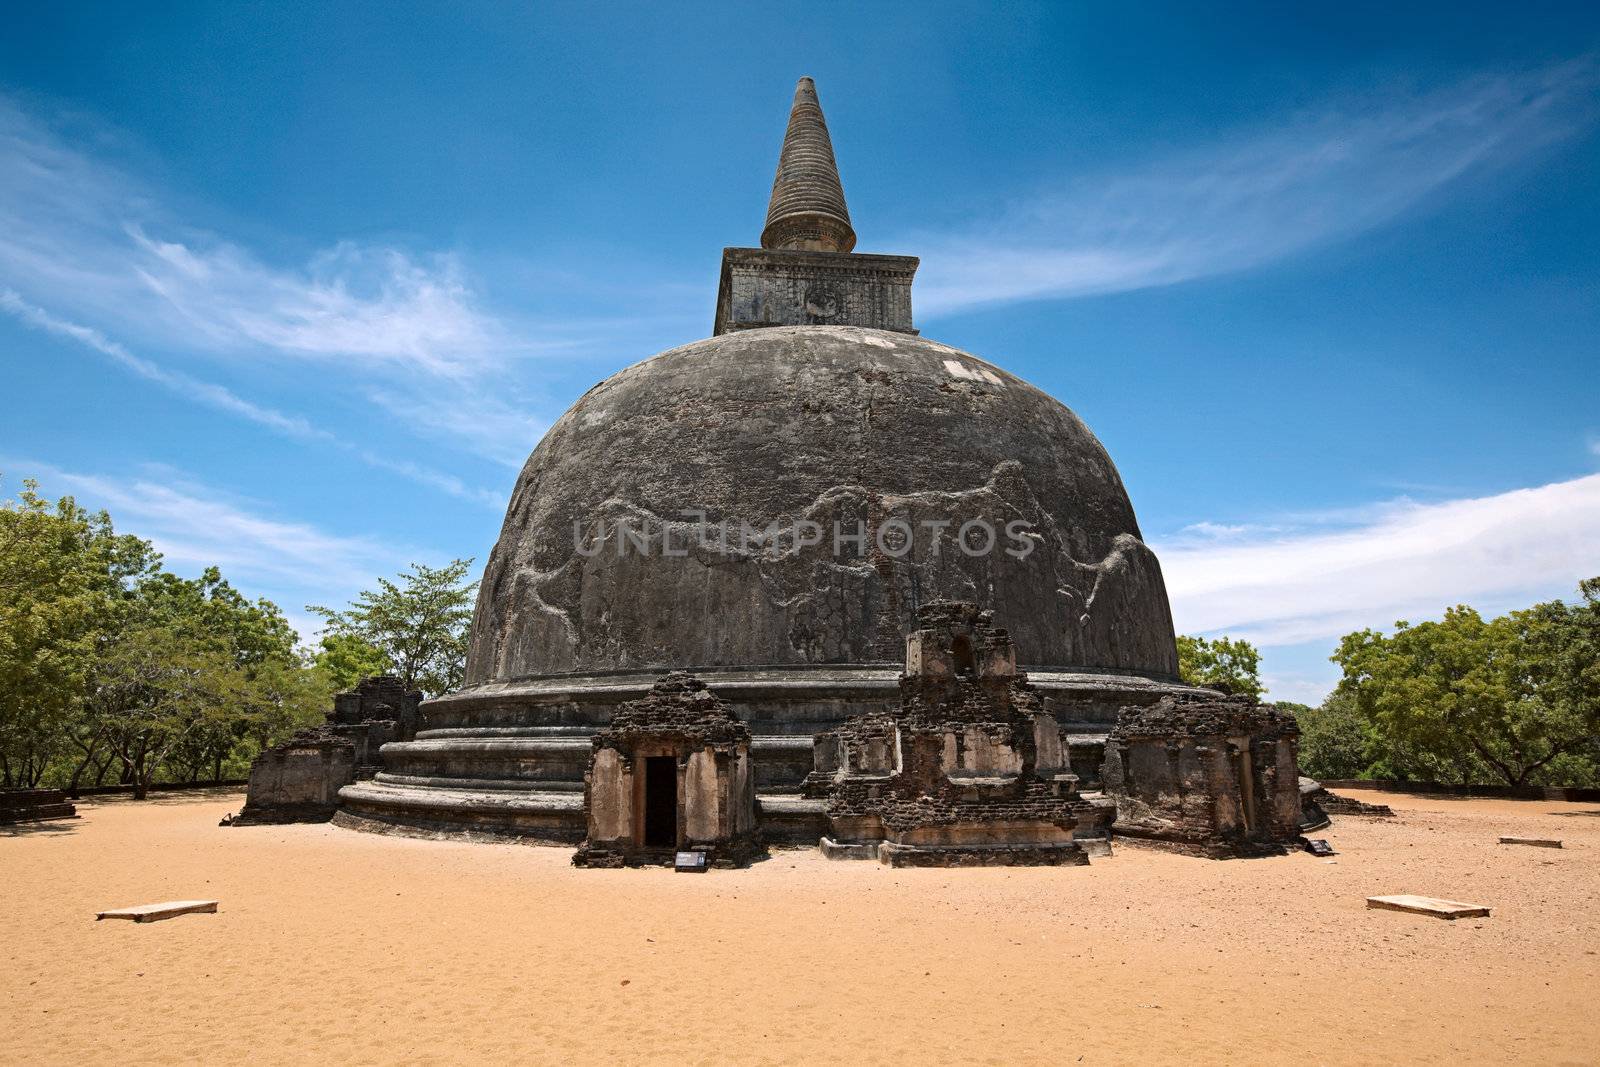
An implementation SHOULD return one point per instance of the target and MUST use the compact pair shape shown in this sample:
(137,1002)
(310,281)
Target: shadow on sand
(48,828)
(167,796)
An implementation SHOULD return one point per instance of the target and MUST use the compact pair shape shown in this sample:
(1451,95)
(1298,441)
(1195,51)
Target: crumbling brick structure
(299,780)
(34,805)
(1210,776)
(1331,803)
(671,773)
(969,770)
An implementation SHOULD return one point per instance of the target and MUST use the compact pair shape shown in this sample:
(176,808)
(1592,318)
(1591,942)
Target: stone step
(34,805)
(548,815)
(492,732)
(545,816)
(791,820)
(417,781)
(406,796)
(501,761)
(37,813)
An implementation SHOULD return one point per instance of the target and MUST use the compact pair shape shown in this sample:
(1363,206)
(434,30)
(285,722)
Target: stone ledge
(1070,854)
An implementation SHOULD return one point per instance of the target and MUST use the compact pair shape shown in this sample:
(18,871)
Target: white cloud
(196,526)
(351,302)
(488,425)
(224,399)
(1401,560)
(1301,690)
(91,250)
(81,234)
(206,393)
(445,483)
(1218,531)
(1312,179)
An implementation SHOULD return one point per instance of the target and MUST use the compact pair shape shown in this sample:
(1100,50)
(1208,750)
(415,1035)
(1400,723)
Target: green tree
(346,658)
(1333,738)
(63,575)
(107,659)
(195,676)
(161,688)
(1467,698)
(1221,663)
(419,623)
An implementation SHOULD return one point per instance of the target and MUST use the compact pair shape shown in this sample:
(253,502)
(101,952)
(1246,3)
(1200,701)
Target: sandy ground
(338,946)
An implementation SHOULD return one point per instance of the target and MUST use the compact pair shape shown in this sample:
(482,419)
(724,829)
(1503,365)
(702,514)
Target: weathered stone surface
(776,427)
(300,779)
(149,913)
(1442,909)
(952,777)
(760,288)
(807,210)
(714,807)
(612,565)
(1209,775)
(382,698)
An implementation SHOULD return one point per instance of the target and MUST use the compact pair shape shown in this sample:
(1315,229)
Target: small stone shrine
(1206,775)
(299,780)
(970,770)
(671,773)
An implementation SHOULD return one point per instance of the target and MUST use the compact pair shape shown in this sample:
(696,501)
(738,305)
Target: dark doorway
(661,801)
(961,652)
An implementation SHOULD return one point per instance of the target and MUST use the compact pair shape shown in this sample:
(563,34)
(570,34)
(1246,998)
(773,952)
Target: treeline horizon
(1512,700)
(112,668)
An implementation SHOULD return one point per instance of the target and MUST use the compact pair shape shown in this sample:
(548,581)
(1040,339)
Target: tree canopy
(1234,666)
(1514,699)
(112,666)
(418,624)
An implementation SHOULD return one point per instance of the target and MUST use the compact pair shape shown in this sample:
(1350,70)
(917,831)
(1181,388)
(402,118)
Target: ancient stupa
(768,508)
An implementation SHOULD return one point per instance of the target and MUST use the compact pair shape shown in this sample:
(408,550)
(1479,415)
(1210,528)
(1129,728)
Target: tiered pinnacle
(806,272)
(807,212)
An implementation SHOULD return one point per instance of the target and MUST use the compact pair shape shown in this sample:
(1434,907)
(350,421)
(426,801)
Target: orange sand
(336,946)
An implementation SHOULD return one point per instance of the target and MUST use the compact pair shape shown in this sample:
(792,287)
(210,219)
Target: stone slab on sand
(1536,842)
(149,913)
(1444,909)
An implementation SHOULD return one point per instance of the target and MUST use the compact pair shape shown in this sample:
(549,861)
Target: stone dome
(705,508)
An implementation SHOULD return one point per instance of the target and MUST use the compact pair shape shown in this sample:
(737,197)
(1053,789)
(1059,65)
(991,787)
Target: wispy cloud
(195,526)
(1314,178)
(224,399)
(350,302)
(84,235)
(207,393)
(491,426)
(92,250)
(1399,560)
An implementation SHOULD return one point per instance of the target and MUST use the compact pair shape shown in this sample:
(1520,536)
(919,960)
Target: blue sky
(295,288)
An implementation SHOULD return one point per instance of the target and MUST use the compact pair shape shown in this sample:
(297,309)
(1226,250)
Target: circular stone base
(507,759)
(771,700)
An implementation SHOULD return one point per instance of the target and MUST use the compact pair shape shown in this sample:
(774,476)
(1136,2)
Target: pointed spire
(807,210)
